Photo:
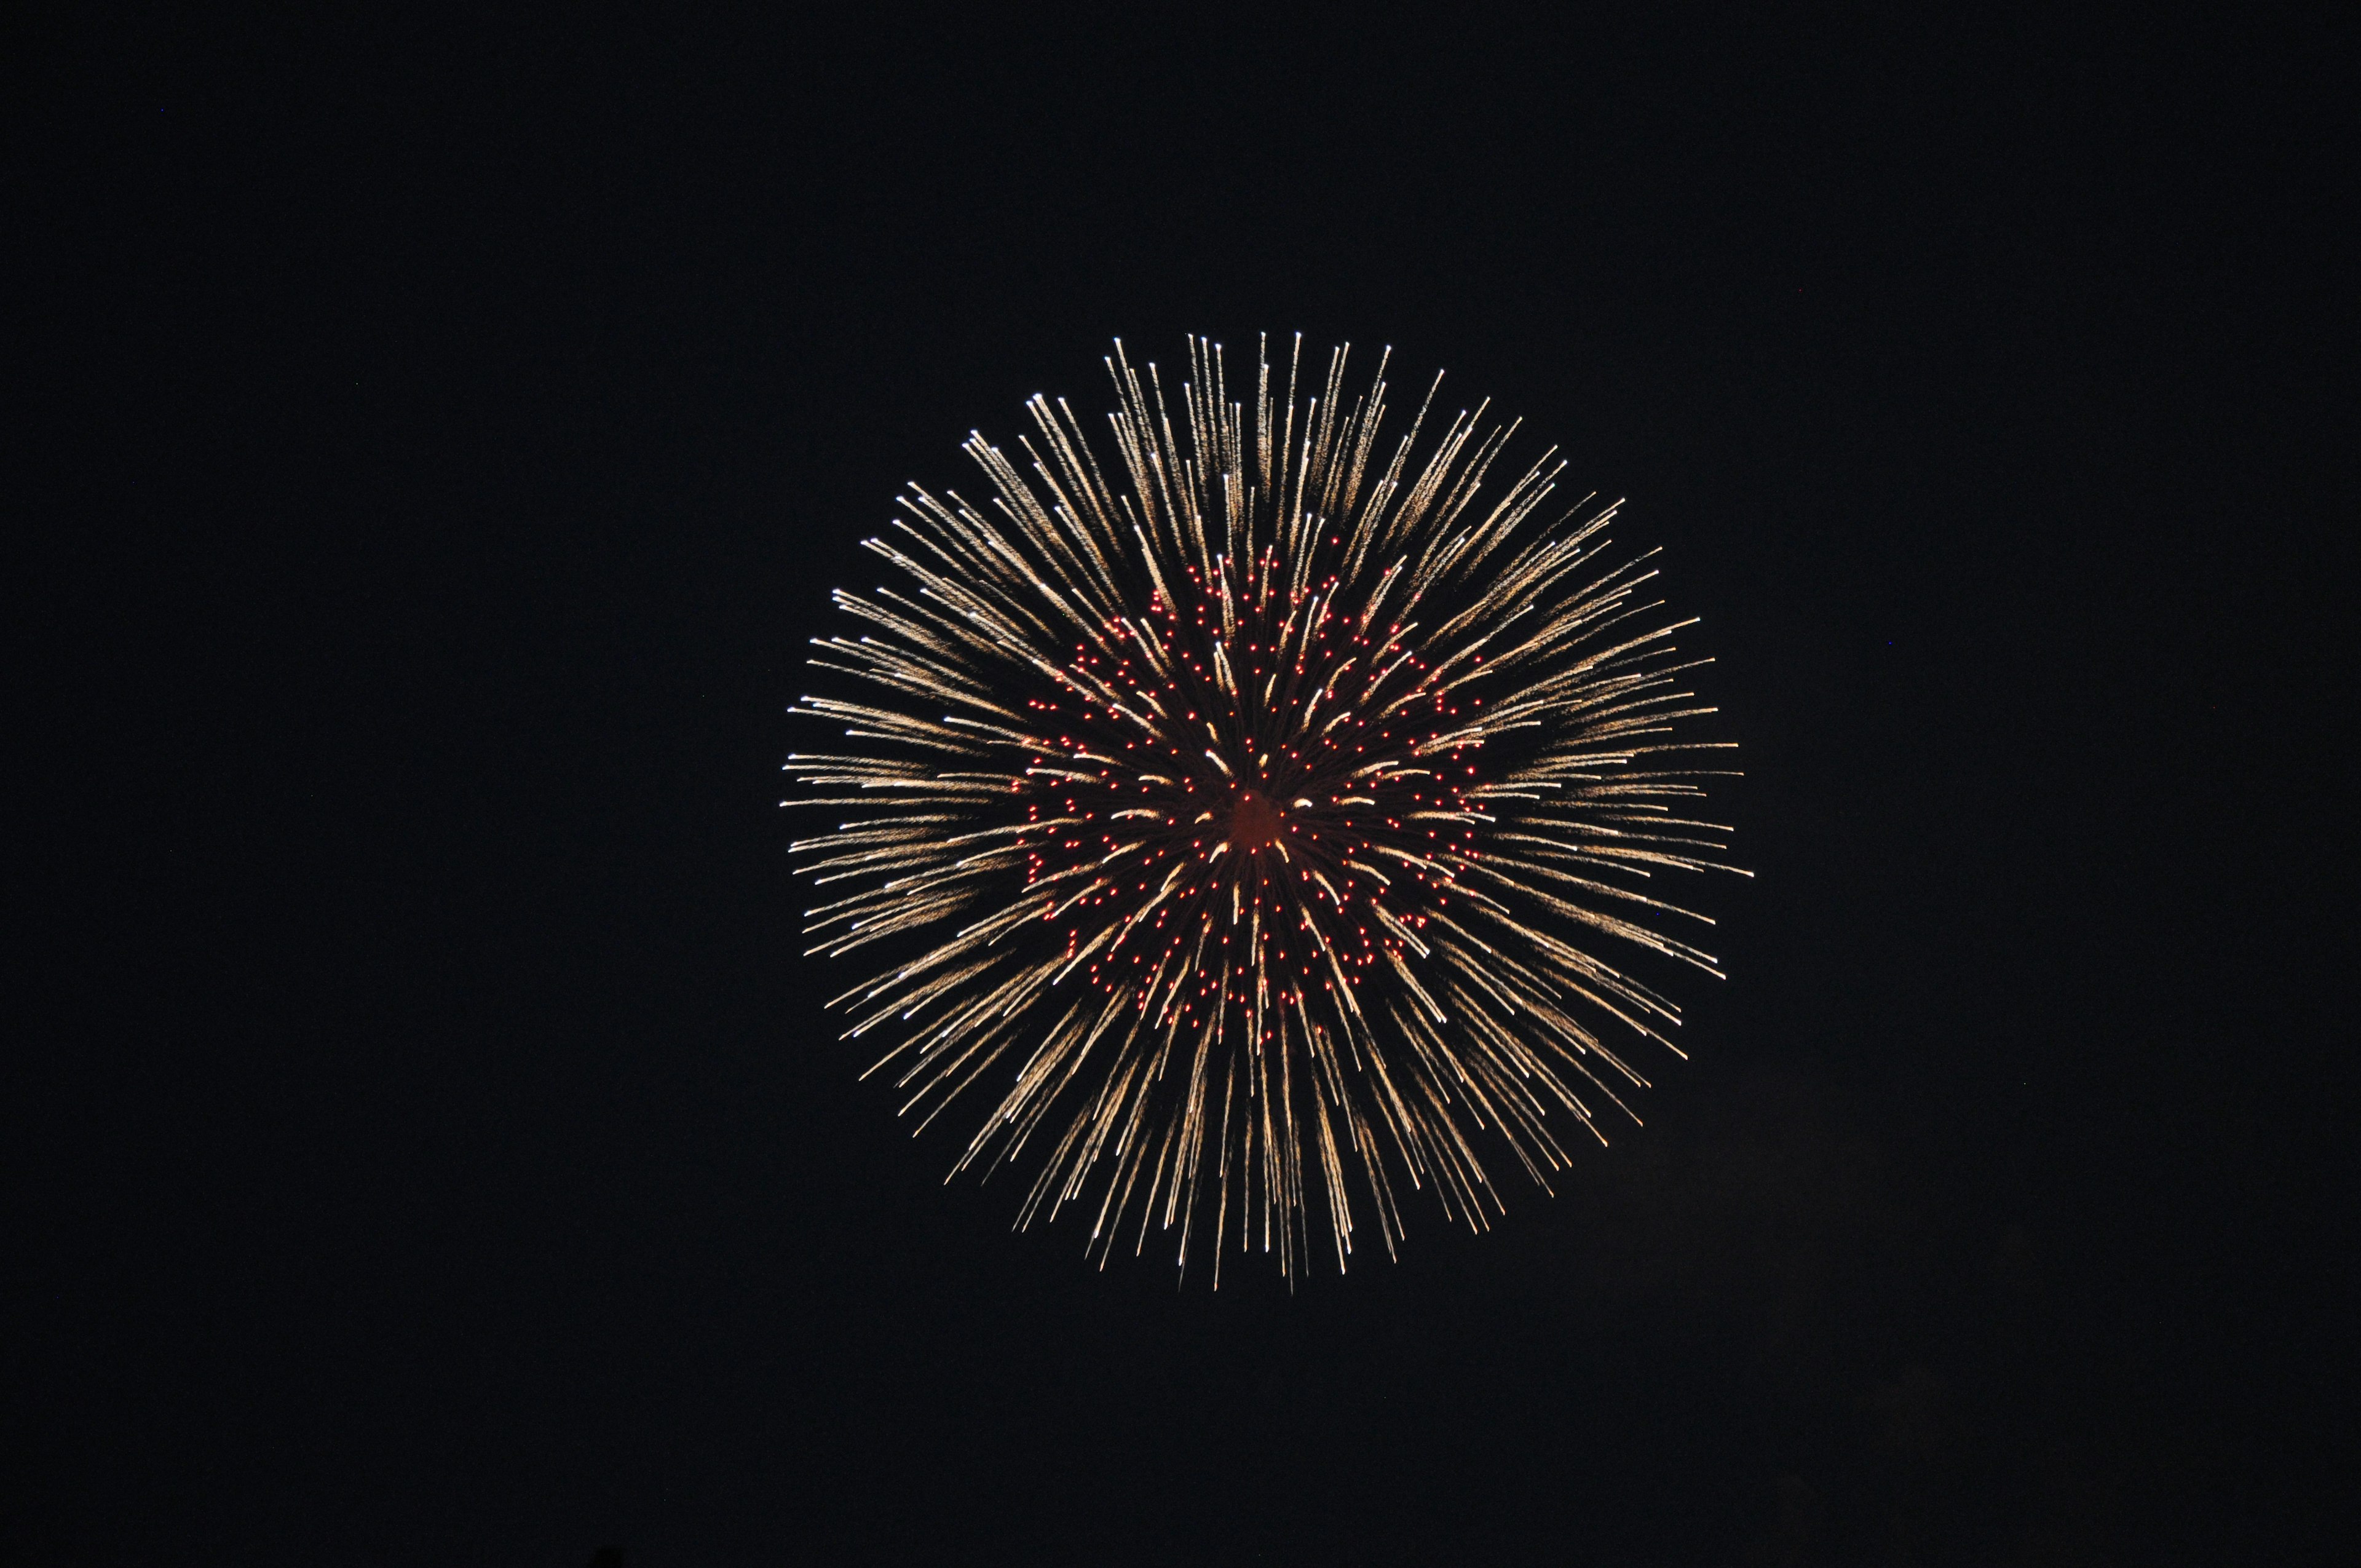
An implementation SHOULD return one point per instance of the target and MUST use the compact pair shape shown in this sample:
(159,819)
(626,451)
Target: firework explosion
(1241,817)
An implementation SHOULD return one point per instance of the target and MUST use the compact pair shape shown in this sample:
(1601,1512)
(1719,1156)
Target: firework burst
(1239,818)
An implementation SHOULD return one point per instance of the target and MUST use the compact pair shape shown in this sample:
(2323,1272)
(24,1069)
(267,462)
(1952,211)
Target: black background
(425,1142)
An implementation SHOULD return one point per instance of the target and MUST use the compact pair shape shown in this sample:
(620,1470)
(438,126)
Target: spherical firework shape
(1240,820)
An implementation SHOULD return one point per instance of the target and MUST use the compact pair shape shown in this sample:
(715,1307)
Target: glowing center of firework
(1256,821)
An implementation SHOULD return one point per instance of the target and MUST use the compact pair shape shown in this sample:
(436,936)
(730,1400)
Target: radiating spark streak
(1238,809)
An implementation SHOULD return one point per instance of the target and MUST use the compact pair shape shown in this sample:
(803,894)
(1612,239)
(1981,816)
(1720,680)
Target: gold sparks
(1238,815)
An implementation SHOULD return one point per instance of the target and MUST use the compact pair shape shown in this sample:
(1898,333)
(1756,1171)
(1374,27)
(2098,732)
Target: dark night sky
(423,1141)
